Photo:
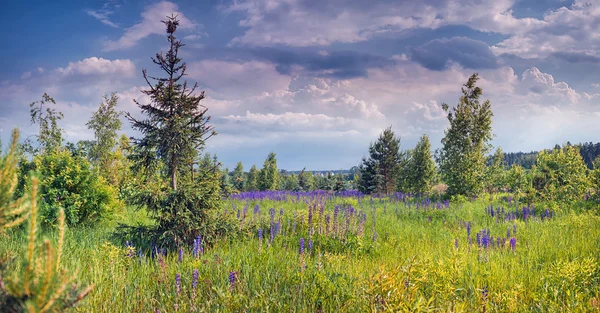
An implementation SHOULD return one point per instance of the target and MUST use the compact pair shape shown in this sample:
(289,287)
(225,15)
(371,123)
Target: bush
(560,175)
(69,182)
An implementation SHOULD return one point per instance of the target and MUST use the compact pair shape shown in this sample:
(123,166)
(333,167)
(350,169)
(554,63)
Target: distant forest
(588,150)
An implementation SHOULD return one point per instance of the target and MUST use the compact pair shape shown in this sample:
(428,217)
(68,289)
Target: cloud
(150,25)
(99,66)
(577,57)
(543,85)
(320,23)
(103,14)
(438,54)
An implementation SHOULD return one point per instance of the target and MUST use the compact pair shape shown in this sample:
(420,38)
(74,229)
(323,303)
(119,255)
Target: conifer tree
(379,173)
(466,142)
(176,126)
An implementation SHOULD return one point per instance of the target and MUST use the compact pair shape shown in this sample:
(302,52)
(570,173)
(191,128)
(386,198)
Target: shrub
(69,182)
(560,174)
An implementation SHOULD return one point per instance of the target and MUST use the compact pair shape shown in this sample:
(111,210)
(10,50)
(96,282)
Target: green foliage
(325,181)
(594,177)
(268,177)
(12,206)
(105,123)
(420,168)
(238,176)
(40,285)
(466,142)
(560,175)
(176,125)
(306,180)
(517,180)
(50,134)
(251,183)
(288,182)
(495,172)
(379,173)
(70,183)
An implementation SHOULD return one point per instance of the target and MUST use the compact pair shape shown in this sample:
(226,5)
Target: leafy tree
(466,142)
(268,178)
(379,173)
(560,174)
(289,182)
(306,180)
(594,176)
(177,125)
(50,134)
(252,181)
(495,172)
(105,123)
(420,169)
(516,179)
(238,176)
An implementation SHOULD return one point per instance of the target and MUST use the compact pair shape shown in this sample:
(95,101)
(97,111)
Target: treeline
(589,152)
(269,177)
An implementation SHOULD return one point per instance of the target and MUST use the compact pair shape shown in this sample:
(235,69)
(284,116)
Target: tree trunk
(174,177)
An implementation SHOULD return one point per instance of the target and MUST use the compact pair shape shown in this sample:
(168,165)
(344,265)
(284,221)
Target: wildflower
(180,259)
(456,243)
(232,280)
(260,234)
(469,229)
(513,243)
(310,245)
(178,282)
(195,279)
(301,246)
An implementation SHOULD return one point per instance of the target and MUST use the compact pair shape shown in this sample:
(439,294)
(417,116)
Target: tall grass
(400,259)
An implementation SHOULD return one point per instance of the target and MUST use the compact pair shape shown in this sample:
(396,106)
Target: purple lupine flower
(310,245)
(301,246)
(256,209)
(178,282)
(195,279)
(245,212)
(469,229)
(260,234)
(232,280)
(195,249)
(456,243)
(180,258)
(513,243)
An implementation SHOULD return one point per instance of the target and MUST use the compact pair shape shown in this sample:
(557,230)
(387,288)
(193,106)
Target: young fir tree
(176,126)
(379,173)
(105,123)
(174,132)
(466,142)
(421,168)
(238,176)
(251,183)
(268,178)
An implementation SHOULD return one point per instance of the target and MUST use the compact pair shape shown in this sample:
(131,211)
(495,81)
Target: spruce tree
(379,173)
(466,142)
(176,126)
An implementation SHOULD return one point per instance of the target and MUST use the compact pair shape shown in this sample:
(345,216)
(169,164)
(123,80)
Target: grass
(412,265)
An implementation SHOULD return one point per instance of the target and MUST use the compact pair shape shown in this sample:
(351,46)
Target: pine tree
(466,142)
(421,168)
(177,124)
(268,178)
(379,173)
(252,181)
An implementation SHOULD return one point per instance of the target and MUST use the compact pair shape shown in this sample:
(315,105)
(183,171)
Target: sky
(314,81)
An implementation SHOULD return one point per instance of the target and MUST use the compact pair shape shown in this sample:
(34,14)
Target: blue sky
(315,81)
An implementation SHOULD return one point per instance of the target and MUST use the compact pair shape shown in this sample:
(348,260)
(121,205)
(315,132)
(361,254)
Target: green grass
(412,266)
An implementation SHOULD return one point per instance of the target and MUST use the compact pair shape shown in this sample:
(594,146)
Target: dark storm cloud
(467,52)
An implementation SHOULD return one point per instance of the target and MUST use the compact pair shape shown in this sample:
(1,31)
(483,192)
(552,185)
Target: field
(315,252)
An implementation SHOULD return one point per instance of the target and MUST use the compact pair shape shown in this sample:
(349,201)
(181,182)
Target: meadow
(326,252)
